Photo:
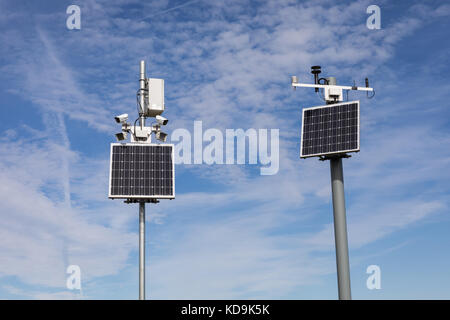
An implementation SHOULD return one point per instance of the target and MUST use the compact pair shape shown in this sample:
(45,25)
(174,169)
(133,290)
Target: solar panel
(141,171)
(330,129)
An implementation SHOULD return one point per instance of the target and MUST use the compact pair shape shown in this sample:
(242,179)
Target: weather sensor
(330,132)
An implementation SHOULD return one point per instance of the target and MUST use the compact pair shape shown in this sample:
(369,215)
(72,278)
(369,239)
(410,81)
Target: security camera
(161,120)
(121,136)
(161,136)
(122,118)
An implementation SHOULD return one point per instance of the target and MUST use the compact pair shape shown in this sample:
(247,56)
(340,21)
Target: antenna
(142,172)
(150,104)
(330,132)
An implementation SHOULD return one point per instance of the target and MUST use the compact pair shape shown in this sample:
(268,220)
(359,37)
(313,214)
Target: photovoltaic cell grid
(142,171)
(330,129)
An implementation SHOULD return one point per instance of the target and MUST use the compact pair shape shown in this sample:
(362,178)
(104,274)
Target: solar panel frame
(357,149)
(135,197)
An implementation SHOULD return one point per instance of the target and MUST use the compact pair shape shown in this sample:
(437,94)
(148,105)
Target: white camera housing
(161,120)
(122,118)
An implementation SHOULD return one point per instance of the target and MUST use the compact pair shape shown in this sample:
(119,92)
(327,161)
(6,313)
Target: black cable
(325,83)
(373,95)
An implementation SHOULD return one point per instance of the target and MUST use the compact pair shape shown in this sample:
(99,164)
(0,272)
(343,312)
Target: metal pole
(340,229)
(142,250)
(142,203)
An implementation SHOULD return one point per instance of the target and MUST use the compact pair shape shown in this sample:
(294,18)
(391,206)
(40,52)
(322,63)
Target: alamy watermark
(374,20)
(74,280)
(374,280)
(73,21)
(235,147)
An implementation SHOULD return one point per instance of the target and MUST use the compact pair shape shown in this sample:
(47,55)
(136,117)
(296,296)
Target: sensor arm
(324,86)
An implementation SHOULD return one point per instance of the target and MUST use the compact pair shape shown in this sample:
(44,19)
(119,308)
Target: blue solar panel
(330,129)
(141,171)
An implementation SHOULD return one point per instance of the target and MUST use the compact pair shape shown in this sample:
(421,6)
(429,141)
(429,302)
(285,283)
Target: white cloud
(386,219)
(36,295)
(40,236)
(234,258)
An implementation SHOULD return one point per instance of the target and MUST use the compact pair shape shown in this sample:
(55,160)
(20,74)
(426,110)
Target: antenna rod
(141,94)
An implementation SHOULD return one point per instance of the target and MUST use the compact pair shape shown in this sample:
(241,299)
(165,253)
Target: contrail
(59,130)
(171,9)
(54,121)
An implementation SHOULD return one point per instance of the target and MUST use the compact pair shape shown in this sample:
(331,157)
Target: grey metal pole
(340,229)
(142,250)
(142,203)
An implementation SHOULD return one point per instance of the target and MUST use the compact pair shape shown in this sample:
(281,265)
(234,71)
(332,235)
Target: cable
(138,95)
(373,95)
(137,105)
(322,98)
(134,131)
(325,81)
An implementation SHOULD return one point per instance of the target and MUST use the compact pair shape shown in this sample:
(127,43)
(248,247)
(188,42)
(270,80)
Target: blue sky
(230,233)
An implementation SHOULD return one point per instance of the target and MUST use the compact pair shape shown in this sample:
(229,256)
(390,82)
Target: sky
(231,233)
